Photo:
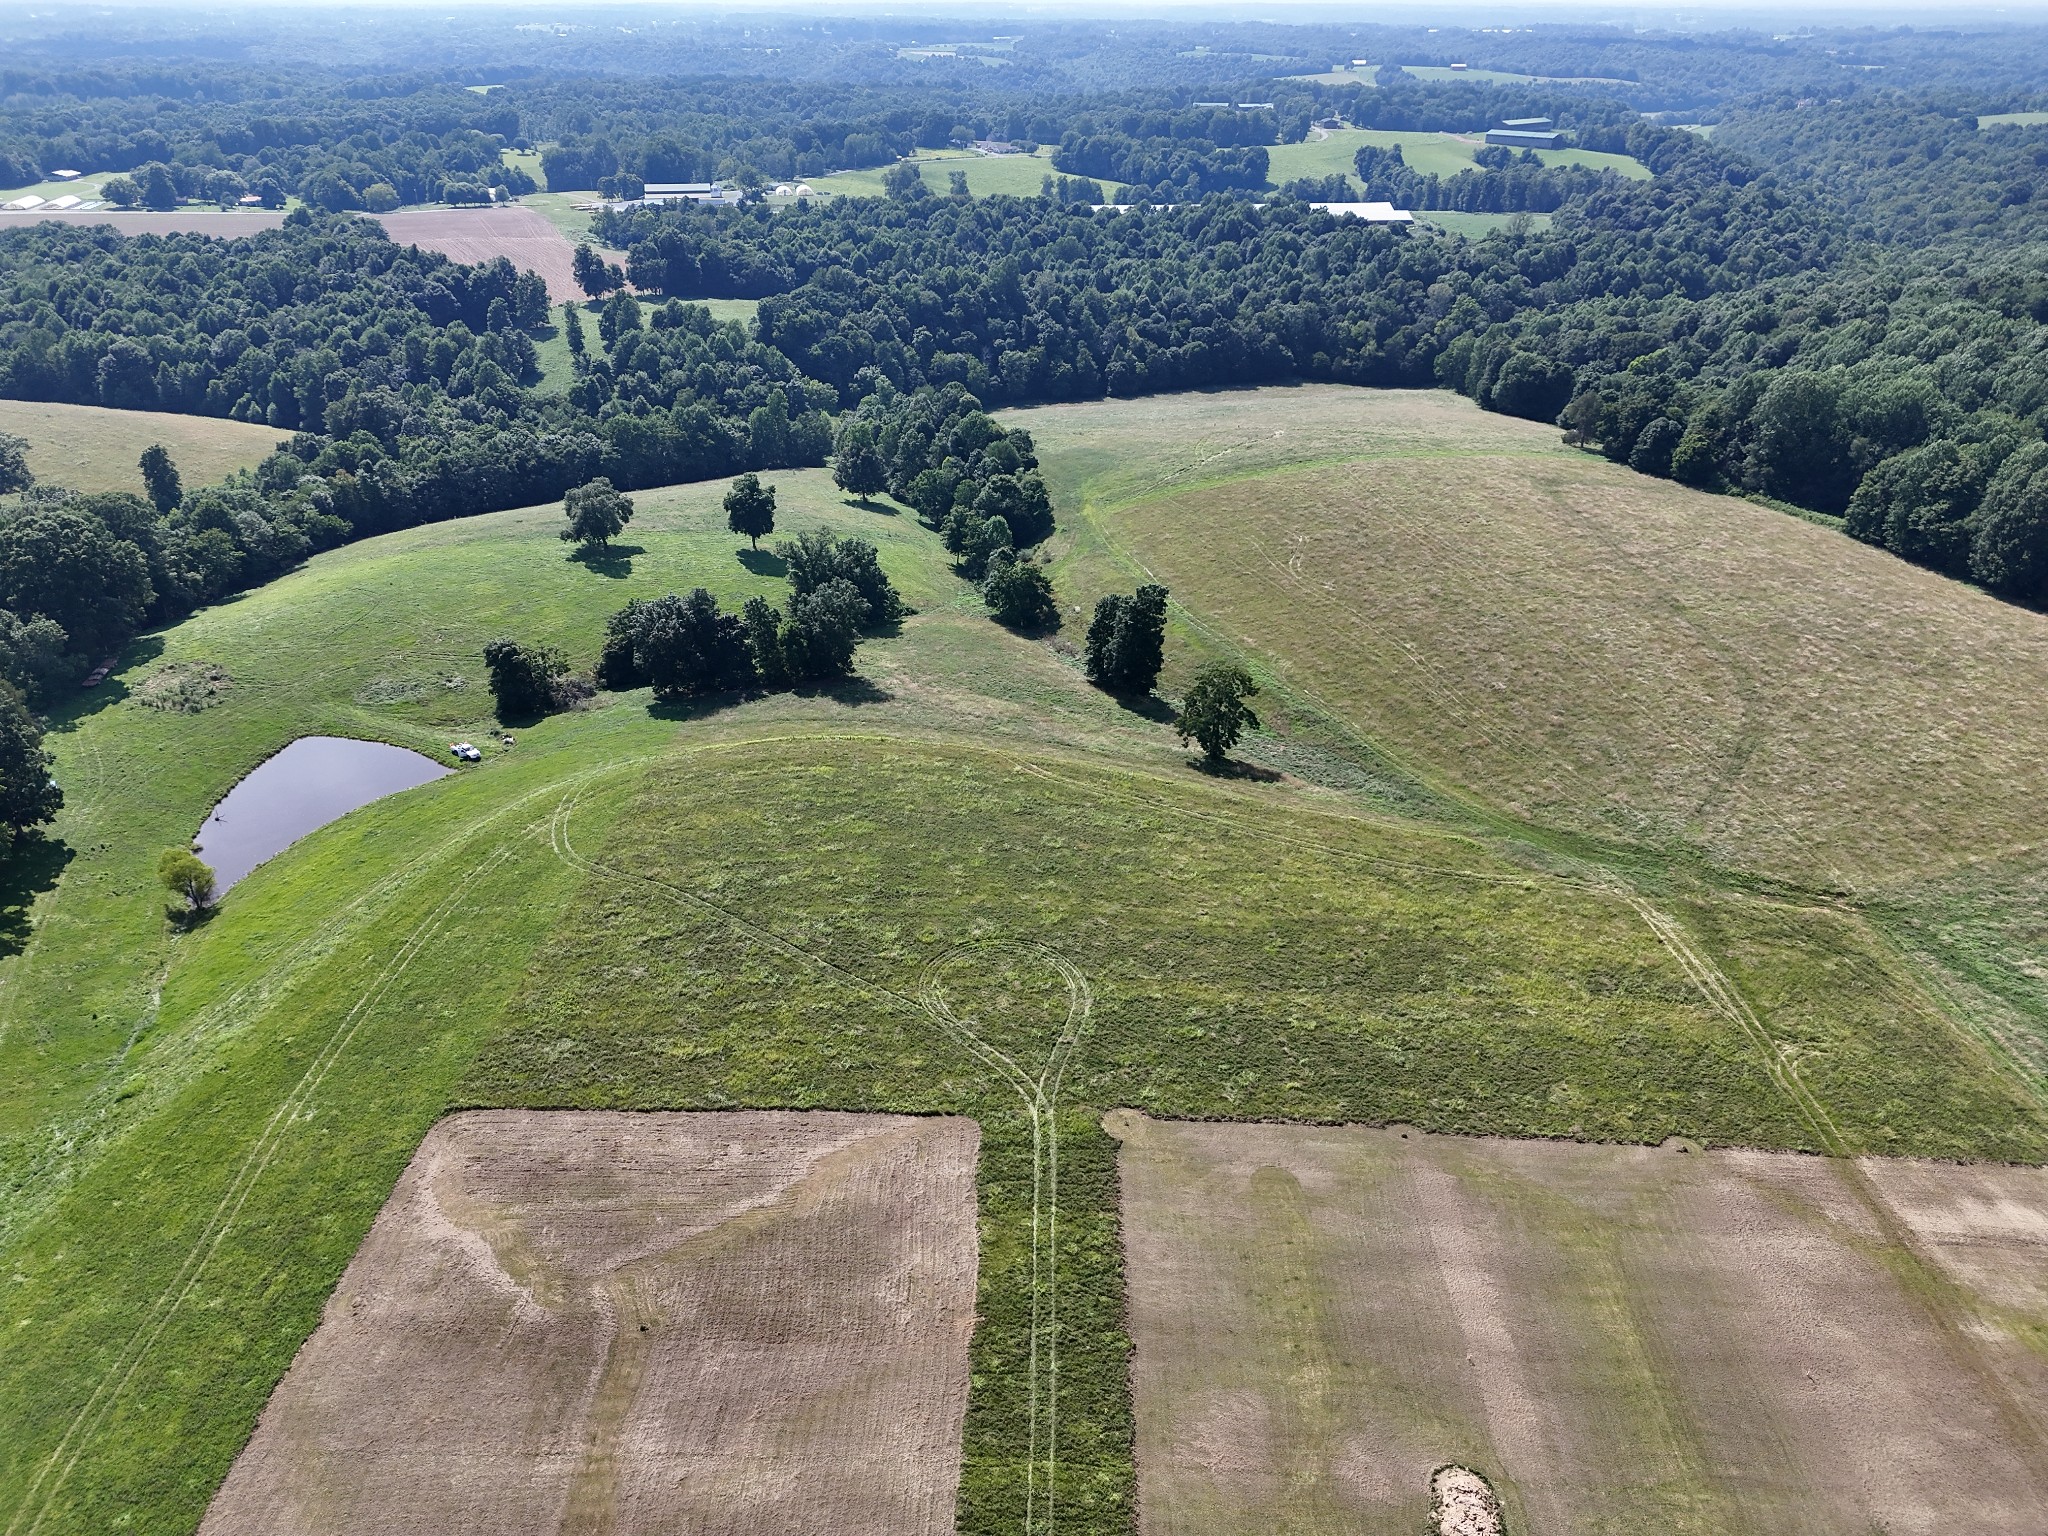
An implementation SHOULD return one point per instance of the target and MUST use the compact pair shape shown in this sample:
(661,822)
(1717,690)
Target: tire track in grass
(63,1459)
(280,974)
(1038,1096)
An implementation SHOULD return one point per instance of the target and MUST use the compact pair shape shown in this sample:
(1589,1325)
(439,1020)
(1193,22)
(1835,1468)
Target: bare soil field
(224,222)
(586,1321)
(1572,641)
(1620,1339)
(530,241)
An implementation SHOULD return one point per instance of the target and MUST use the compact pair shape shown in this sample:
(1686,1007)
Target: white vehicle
(466,752)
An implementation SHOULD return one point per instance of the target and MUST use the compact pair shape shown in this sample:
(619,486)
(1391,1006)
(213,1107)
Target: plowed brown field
(1623,1339)
(527,239)
(580,1322)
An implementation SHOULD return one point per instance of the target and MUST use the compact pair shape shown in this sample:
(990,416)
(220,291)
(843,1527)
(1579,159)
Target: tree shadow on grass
(613,560)
(1236,768)
(1149,705)
(764,562)
(84,702)
(854,691)
(32,868)
(869,504)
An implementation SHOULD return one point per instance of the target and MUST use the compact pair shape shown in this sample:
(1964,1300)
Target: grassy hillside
(1446,154)
(1574,643)
(90,448)
(987,175)
(919,891)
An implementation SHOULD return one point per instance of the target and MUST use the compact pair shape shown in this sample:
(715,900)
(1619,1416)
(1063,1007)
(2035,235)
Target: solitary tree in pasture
(160,478)
(597,514)
(750,508)
(1214,713)
(572,329)
(184,874)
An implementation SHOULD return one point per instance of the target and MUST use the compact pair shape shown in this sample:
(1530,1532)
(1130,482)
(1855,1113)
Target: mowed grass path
(91,448)
(758,905)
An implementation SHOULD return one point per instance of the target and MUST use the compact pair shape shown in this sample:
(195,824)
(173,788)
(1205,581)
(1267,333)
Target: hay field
(226,223)
(91,448)
(638,1323)
(1575,643)
(532,242)
(1621,1339)
(987,175)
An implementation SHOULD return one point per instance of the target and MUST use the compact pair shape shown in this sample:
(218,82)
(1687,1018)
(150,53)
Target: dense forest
(1835,301)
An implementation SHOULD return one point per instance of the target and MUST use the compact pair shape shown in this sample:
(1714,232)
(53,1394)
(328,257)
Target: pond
(313,781)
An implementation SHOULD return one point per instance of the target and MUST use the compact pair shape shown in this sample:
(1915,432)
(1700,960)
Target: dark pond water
(310,783)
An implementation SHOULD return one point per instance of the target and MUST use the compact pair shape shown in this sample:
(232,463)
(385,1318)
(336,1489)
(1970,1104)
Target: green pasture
(92,448)
(1477,226)
(987,175)
(2012,119)
(1443,154)
(867,897)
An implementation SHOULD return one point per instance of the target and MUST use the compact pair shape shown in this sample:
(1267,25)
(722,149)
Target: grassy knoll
(2013,119)
(91,448)
(915,891)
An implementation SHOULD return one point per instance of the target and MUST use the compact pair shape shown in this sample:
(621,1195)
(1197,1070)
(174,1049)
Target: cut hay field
(91,448)
(966,884)
(557,1322)
(1573,642)
(525,237)
(1617,1338)
(225,223)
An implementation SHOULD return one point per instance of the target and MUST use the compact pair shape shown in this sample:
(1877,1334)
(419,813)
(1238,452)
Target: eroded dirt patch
(1617,1338)
(584,1322)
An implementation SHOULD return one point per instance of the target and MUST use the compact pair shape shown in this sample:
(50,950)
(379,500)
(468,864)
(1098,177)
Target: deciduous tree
(750,508)
(1215,713)
(185,875)
(597,514)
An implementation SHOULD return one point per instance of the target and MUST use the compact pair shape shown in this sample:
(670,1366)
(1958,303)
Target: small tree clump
(1126,643)
(160,479)
(597,514)
(750,508)
(14,471)
(1019,593)
(184,874)
(526,680)
(815,557)
(1214,713)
